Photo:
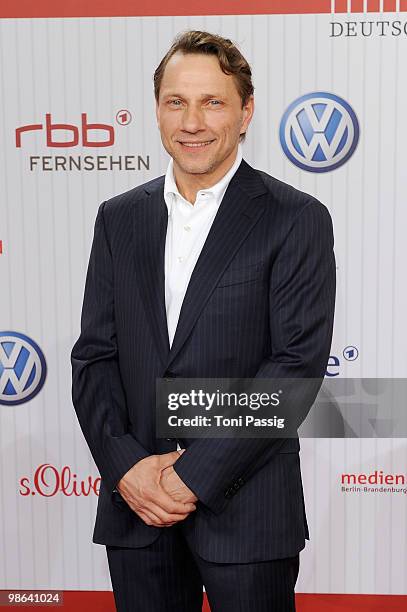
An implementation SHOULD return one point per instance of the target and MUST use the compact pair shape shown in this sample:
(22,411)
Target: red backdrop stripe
(124,8)
(106,8)
(373,6)
(102,601)
(341,6)
(357,6)
(389,5)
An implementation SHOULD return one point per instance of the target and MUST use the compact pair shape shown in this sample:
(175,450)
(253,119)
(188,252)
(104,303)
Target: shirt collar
(218,190)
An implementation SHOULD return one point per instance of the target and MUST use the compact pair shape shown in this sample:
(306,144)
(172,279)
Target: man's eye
(175,102)
(214,102)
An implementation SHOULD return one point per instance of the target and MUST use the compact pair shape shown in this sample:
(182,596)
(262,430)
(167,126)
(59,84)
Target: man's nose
(193,119)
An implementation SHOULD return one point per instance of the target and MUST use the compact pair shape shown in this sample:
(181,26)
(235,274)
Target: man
(216,270)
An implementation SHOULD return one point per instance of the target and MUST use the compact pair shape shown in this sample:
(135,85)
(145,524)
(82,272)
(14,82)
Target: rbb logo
(52,129)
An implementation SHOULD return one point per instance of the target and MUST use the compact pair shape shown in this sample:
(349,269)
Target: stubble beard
(195,167)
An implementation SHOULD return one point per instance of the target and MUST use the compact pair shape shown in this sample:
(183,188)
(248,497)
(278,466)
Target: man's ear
(157,113)
(248,110)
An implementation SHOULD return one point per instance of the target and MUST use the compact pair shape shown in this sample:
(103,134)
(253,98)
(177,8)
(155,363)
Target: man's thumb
(170,458)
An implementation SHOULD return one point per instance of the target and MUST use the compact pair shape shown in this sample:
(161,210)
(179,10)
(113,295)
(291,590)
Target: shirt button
(187,228)
(180,259)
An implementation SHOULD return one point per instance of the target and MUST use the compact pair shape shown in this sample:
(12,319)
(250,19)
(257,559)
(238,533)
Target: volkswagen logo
(22,368)
(319,132)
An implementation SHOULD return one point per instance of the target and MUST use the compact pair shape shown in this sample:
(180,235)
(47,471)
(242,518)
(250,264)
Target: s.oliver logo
(87,134)
(49,481)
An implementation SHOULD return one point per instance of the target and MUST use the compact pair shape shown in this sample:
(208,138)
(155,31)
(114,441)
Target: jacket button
(240,481)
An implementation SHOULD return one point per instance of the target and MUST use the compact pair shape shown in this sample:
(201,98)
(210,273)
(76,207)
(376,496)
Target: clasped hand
(155,492)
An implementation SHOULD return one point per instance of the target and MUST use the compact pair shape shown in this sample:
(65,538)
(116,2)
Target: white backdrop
(67,67)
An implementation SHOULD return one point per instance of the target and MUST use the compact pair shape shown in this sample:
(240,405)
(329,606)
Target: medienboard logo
(373,18)
(22,368)
(377,481)
(319,132)
(54,133)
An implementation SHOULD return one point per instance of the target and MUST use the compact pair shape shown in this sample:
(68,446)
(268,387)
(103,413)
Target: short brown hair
(230,59)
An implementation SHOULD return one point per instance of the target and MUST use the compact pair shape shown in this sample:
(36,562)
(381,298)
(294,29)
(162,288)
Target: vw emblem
(22,368)
(319,132)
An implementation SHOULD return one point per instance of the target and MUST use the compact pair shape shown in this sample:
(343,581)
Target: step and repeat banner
(77,122)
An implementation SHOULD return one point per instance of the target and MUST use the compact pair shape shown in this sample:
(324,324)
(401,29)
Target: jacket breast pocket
(242,274)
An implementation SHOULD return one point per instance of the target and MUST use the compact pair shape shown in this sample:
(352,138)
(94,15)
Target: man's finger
(159,496)
(170,505)
(155,516)
(168,459)
(152,513)
(149,519)
(165,517)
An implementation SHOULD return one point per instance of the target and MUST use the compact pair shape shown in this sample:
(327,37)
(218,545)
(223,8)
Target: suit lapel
(239,211)
(150,228)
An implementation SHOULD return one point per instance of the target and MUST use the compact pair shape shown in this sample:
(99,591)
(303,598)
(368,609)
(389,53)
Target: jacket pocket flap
(234,276)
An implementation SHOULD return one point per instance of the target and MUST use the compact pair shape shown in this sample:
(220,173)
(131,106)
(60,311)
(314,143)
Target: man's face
(200,114)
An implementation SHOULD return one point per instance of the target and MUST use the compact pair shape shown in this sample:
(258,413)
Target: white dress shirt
(187,230)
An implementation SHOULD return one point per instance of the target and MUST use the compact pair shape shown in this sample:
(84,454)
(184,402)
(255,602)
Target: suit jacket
(260,303)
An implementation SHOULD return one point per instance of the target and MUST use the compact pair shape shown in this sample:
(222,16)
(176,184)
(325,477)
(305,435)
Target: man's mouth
(195,145)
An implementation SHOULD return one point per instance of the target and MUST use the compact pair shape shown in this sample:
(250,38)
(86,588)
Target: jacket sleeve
(97,390)
(302,300)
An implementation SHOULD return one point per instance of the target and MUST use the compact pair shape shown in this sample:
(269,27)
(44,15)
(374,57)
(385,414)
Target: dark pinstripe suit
(260,302)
